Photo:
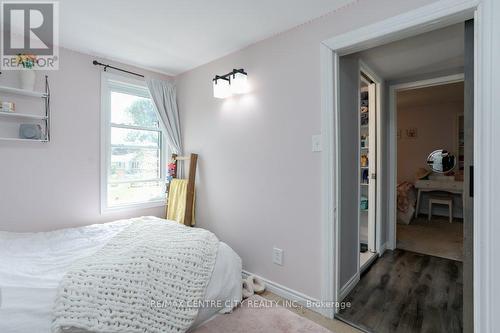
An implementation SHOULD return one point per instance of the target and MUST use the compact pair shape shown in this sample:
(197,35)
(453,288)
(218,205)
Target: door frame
(424,19)
(392,140)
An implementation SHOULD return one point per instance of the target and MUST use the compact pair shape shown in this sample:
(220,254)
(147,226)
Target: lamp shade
(222,88)
(239,84)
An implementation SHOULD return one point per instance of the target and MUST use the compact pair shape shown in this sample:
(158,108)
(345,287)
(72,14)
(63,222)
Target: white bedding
(32,264)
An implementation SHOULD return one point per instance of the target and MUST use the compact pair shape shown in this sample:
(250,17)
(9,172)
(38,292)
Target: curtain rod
(97,63)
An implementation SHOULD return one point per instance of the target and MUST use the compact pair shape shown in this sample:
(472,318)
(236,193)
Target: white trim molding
(329,205)
(486,184)
(486,157)
(424,19)
(346,289)
(383,248)
(290,294)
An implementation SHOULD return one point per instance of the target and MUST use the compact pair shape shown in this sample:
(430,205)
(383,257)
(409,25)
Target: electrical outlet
(278,256)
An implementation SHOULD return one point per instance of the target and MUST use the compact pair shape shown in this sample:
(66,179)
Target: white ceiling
(173,36)
(438,50)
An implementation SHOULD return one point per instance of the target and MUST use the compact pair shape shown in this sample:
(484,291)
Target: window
(133,146)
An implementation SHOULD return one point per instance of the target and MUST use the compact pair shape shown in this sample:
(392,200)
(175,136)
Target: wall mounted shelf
(23,92)
(44,117)
(21,115)
(24,140)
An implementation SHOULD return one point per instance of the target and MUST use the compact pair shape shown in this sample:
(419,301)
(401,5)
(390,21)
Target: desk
(450,186)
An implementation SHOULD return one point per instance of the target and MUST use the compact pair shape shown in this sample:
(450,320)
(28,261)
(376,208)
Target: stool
(441,201)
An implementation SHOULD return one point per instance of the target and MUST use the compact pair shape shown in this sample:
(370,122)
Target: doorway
(429,116)
(391,275)
(361,205)
(423,19)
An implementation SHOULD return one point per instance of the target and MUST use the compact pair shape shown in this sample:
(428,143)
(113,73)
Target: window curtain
(165,99)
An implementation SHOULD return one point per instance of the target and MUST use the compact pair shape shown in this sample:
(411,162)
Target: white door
(372,166)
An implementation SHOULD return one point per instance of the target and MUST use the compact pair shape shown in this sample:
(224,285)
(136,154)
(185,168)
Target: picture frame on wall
(412,132)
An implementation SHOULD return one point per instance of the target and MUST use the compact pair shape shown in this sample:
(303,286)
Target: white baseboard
(383,248)
(346,289)
(290,294)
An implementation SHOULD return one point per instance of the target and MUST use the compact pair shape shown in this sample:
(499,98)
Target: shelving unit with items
(367,169)
(364,150)
(23,122)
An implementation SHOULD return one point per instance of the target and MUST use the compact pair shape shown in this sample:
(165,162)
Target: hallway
(407,292)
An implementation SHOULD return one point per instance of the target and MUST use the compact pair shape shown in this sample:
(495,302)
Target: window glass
(134,137)
(134,164)
(135,149)
(137,192)
(133,110)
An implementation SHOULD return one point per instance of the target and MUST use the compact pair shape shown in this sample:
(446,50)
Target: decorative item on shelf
(364,160)
(171,171)
(363,205)
(364,141)
(364,115)
(364,98)
(30,131)
(27,75)
(7,106)
(364,176)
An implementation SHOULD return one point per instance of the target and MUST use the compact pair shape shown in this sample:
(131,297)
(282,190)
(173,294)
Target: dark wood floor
(407,292)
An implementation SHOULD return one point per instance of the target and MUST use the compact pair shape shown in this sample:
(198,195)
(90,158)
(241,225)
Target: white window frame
(139,88)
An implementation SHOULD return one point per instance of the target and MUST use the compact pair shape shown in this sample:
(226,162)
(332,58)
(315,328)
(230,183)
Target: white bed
(32,264)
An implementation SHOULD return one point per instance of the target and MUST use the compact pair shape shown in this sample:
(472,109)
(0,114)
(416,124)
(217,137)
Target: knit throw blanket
(151,277)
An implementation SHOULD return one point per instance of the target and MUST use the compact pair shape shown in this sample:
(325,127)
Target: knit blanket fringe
(151,277)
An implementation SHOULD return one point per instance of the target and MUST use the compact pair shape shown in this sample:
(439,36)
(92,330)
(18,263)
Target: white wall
(436,125)
(45,186)
(437,129)
(259,183)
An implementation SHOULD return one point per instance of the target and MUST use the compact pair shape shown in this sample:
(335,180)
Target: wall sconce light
(234,82)
(222,87)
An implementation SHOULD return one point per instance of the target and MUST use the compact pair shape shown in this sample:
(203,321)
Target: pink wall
(437,129)
(259,184)
(54,185)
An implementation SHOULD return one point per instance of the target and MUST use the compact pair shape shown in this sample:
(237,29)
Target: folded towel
(177,193)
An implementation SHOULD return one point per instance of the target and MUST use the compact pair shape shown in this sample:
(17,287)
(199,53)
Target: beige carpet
(266,315)
(436,238)
(333,325)
(256,315)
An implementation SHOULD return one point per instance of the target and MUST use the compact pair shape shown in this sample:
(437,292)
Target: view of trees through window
(134,173)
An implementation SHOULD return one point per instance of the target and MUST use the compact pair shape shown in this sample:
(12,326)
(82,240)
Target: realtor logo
(29,35)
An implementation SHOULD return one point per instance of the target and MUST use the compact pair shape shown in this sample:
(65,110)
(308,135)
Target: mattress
(32,264)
